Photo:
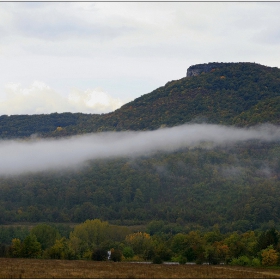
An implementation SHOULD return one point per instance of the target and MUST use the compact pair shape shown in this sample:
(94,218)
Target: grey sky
(93,56)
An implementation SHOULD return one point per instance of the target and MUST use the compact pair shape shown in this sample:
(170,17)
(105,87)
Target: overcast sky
(93,57)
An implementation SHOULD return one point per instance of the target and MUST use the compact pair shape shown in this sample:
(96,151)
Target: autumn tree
(141,243)
(95,234)
(60,250)
(269,256)
(15,248)
(235,245)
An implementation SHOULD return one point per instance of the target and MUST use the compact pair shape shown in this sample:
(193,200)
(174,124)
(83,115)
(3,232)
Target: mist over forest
(197,152)
(71,152)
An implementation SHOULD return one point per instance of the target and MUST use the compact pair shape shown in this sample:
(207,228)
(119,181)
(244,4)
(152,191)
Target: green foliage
(256,262)
(212,247)
(161,247)
(242,260)
(141,243)
(95,233)
(46,235)
(128,252)
(178,243)
(268,238)
(60,250)
(15,126)
(31,248)
(7,233)
(211,255)
(181,191)
(182,260)
(88,235)
(63,229)
(4,250)
(155,227)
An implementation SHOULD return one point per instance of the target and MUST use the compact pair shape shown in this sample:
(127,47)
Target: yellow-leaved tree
(269,256)
(87,236)
(95,234)
(141,243)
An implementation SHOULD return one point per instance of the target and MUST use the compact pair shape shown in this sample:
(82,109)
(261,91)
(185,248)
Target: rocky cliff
(197,69)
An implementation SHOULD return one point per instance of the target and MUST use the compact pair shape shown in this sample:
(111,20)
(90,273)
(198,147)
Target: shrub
(242,260)
(157,260)
(116,255)
(128,252)
(99,254)
(182,260)
(256,262)
(198,261)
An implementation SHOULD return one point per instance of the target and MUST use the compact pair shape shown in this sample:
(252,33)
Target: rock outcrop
(197,69)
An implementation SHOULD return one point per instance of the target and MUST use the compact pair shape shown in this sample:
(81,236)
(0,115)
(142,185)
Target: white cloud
(39,98)
(95,100)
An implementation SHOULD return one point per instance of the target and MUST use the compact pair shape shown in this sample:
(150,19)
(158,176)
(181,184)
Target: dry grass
(30,268)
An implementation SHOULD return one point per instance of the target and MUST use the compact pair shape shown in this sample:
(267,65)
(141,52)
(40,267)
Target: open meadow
(38,268)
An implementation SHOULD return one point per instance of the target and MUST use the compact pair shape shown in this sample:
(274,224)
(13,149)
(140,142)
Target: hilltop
(240,94)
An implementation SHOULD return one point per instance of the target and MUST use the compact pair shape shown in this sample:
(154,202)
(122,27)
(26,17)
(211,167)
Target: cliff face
(197,69)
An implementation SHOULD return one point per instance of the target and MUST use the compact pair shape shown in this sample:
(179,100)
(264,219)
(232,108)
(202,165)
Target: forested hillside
(240,94)
(234,186)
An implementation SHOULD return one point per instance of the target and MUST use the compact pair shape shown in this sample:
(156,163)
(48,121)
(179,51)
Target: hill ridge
(240,94)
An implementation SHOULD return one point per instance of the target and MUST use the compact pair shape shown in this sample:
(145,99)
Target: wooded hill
(241,94)
(236,187)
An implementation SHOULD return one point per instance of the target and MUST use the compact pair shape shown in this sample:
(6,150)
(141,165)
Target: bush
(128,252)
(116,255)
(256,262)
(157,260)
(182,260)
(199,260)
(99,254)
(242,260)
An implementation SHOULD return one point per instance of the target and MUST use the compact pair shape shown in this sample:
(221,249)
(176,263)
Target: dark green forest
(235,187)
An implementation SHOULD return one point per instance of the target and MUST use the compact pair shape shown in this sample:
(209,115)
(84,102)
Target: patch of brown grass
(47,269)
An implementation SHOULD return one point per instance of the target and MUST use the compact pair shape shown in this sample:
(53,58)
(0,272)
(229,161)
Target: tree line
(100,241)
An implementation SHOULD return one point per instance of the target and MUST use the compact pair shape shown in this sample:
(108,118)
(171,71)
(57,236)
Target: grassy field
(34,268)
